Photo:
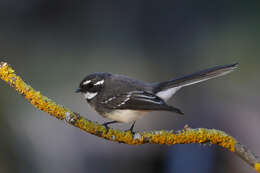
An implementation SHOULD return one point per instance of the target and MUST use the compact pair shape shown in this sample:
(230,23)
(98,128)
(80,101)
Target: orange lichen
(192,136)
(257,167)
(185,136)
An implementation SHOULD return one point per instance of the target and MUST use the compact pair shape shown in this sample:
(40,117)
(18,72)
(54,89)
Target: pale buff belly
(125,116)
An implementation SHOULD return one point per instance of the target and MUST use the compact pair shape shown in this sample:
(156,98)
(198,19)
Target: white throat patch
(89,95)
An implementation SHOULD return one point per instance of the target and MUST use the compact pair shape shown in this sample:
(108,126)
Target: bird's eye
(90,85)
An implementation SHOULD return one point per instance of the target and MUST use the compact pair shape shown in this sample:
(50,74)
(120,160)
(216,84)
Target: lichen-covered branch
(169,137)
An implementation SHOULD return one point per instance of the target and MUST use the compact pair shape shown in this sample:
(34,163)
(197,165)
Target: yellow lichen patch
(193,136)
(257,167)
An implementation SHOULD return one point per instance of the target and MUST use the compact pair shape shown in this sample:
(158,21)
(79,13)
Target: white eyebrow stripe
(86,82)
(99,82)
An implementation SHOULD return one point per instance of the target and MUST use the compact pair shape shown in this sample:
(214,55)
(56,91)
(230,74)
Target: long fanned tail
(166,89)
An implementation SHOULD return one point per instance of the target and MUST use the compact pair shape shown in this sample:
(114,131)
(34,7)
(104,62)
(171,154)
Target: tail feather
(168,88)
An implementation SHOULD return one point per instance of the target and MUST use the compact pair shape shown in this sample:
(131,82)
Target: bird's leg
(107,123)
(132,128)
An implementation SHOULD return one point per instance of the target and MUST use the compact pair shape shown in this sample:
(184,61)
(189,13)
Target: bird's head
(92,85)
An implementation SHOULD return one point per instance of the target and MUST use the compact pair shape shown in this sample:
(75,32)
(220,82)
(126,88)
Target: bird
(123,99)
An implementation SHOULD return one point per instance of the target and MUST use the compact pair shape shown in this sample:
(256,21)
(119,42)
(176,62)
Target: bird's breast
(125,115)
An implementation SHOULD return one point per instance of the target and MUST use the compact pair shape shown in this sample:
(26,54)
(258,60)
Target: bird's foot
(106,126)
(107,123)
(131,129)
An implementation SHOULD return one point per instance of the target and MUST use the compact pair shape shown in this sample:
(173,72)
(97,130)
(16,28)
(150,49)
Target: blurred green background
(53,44)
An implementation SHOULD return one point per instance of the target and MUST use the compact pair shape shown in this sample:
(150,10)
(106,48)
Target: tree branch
(169,137)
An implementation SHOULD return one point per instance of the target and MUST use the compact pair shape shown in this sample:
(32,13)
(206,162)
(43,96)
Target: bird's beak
(78,90)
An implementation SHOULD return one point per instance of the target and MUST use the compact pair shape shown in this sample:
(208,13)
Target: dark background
(53,44)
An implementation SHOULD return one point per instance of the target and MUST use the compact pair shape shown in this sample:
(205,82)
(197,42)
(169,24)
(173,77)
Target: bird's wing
(138,100)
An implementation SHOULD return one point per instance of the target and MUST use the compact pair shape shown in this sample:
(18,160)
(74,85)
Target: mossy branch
(169,137)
